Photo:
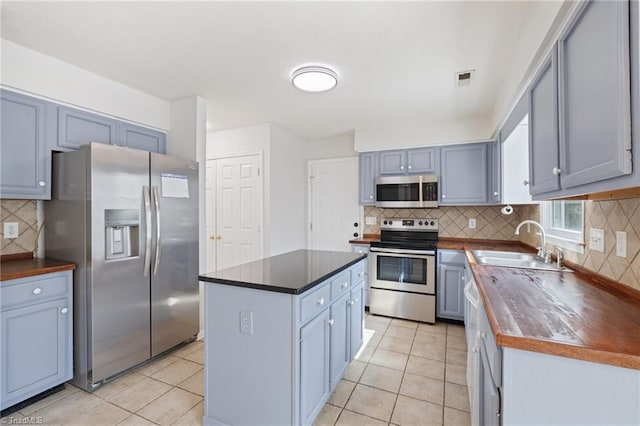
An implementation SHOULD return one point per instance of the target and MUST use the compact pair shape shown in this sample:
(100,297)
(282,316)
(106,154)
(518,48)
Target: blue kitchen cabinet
(543,129)
(36,335)
(339,322)
(421,160)
(77,128)
(495,165)
(393,162)
(450,285)
(594,94)
(314,367)
(142,138)
(463,174)
(25,161)
(368,173)
(356,319)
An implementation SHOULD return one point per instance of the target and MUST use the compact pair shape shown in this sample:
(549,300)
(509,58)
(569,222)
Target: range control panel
(410,224)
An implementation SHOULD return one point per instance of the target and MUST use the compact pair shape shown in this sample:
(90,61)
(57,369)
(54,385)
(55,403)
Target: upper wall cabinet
(367,178)
(77,128)
(594,94)
(543,129)
(25,164)
(463,174)
(496,171)
(580,106)
(142,138)
(403,161)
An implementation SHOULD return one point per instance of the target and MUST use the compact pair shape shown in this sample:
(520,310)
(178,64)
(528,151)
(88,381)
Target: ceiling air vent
(463,78)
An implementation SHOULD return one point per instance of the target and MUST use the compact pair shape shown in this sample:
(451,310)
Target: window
(563,223)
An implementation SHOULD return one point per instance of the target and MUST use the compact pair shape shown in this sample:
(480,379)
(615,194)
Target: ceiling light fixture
(314,78)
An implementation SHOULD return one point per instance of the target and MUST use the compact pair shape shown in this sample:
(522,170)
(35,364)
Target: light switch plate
(370,220)
(621,244)
(472,223)
(596,239)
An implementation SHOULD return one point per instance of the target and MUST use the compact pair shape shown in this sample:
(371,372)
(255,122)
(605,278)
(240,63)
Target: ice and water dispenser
(121,233)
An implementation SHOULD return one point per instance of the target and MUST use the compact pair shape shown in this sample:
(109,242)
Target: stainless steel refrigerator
(129,220)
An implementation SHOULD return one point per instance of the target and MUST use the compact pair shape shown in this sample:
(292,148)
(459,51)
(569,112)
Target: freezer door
(118,289)
(174,265)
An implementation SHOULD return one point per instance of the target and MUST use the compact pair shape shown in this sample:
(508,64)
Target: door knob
(219,237)
(212,237)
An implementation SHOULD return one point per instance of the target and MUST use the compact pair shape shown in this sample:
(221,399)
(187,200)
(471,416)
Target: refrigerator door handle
(156,201)
(147,234)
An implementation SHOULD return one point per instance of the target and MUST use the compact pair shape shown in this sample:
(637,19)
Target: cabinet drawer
(452,256)
(340,284)
(30,290)
(357,273)
(315,302)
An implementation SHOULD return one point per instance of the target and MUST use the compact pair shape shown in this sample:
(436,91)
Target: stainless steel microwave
(407,191)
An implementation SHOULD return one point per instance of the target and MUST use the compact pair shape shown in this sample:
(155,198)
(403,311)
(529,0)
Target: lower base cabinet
(36,335)
(450,284)
(314,366)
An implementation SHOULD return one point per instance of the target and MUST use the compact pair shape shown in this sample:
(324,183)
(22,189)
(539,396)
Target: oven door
(403,270)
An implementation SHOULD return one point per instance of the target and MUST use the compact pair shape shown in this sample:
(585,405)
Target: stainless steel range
(402,270)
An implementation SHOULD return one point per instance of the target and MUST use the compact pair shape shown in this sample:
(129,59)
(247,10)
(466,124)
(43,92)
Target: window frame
(567,239)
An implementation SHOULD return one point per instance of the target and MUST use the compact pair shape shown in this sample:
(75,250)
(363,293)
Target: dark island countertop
(293,273)
(27,266)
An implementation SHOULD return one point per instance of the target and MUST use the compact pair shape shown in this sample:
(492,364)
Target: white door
(210,213)
(238,210)
(334,213)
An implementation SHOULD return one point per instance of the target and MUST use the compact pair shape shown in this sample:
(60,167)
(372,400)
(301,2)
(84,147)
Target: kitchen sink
(514,260)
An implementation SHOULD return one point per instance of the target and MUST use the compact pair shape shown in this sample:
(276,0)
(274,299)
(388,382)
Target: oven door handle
(403,251)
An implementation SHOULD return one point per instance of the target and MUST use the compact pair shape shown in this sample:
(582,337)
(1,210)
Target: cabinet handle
(475,349)
(351,302)
(321,301)
(42,183)
(483,335)
(37,291)
(331,321)
(401,167)
(556,171)
(344,285)
(495,194)
(356,300)
(371,197)
(444,196)
(525,182)
(409,167)
(64,311)
(361,273)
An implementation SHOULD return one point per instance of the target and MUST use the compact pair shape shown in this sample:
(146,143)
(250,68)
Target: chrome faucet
(543,253)
(559,258)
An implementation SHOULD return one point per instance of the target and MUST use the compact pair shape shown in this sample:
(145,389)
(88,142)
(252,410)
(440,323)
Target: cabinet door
(314,367)
(25,165)
(422,160)
(77,128)
(469,187)
(543,129)
(339,323)
(356,318)
(142,138)
(368,178)
(393,162)
(450,292)
(594,94)
(35,349)
(496,170)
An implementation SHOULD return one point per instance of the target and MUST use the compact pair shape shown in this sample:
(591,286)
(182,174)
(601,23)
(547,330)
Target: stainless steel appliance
(129,220)
(402,270)
(407,191)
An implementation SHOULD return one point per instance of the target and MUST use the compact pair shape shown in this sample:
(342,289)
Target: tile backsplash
(611,216)
(24,213)
(454,221)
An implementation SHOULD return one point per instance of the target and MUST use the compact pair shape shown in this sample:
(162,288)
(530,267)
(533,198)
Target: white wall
(288,200)
(37,74)
(333,147)
(406,135)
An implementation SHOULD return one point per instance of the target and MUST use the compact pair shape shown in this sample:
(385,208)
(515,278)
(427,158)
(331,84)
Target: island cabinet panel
(294,352)
(314,366)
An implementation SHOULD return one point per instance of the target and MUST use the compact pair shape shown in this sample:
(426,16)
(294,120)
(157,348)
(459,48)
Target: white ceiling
(396,61)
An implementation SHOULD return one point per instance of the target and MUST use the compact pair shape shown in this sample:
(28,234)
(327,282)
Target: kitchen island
(279,334)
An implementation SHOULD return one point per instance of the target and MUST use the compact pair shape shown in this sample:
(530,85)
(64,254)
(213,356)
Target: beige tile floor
(408,373)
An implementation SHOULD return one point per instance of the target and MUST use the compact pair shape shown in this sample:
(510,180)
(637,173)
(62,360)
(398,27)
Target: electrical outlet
(621,244)
(472,223)
(370,220)
(11,230)
(246,322)
(596,239)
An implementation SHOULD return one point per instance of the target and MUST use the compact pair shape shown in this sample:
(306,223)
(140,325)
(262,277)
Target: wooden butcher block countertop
(26,266)
(578,314)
